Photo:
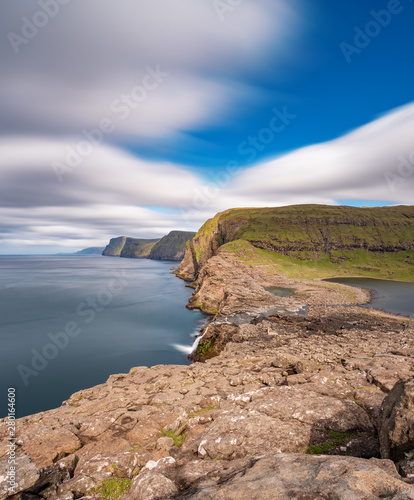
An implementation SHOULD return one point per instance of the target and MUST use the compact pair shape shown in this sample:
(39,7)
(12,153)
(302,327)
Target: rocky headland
(169,247)
(306,396)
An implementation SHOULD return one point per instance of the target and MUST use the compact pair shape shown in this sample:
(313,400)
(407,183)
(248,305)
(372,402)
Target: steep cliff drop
(169,247)
(172,246)
(331,240)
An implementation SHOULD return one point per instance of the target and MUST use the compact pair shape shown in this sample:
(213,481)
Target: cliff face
(337,240)
(172,246)
(129,247)
(137,248)
(169,247)
(115,246)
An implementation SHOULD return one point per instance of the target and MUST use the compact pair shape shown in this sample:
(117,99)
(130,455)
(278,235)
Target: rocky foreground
(301,397)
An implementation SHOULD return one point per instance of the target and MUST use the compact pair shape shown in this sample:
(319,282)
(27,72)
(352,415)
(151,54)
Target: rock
(396,430)
(121,464)
(79,486)
(225,447)
(387,465)
(406,469)
(285,361)
(172,246)
(150,486)
(165,443)
(303,477)
(55,474)
(26,474)
(362,447)
(45,445)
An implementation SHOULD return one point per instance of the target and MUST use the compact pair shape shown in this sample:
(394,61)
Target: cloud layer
(112,192)
(153,72)
(68,75)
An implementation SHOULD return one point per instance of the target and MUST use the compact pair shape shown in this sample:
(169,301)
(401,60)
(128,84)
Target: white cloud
(113,193)
(91,53)
(351,167)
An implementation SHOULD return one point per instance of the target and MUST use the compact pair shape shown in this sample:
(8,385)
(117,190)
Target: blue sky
(329,96)
(138,118)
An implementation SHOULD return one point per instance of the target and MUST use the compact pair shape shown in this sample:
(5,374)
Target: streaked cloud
(111,192)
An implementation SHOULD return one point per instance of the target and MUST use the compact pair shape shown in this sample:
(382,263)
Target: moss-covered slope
(137,248)
(115,246)
(312,240)
(172,246)
(129,247)
(169,247)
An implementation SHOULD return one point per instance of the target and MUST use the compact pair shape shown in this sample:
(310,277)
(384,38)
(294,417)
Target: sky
(136,118)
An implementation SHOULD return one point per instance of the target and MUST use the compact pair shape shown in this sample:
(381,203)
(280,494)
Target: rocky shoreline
(306,397)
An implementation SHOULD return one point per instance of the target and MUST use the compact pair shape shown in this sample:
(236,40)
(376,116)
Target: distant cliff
(135,248)
(312,240)
(170,247)
(115,246)
(90,251)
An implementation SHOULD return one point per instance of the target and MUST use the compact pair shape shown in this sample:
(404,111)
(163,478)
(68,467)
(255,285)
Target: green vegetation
(112,488)
(209,226)
(317,241)
(115,246)
(202,411)
(203,349)
(387,265)
(178,440)
(335,439)
(137,248)
(172,246)
(134,448)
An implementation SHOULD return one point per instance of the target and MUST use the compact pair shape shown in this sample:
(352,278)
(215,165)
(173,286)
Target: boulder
(56,474)
(396,432)
(26,474)
(46,445)
(303,477)
(151,486)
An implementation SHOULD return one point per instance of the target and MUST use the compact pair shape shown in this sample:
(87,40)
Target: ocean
(67,323)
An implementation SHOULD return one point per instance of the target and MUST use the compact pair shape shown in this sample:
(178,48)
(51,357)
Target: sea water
(67,323)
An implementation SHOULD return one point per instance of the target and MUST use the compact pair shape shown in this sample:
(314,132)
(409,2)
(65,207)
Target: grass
(112,488)
(178,440)
(202,411)
(203,349)
(389,265)
(318,241)
(171,244)
(137,247)
(335,439)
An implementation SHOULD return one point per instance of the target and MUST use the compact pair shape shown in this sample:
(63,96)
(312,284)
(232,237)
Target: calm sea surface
(67,323)
(396,297)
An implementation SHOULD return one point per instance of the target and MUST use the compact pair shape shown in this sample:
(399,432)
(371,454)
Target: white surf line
(189,349)
(186,349)
(197,340)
